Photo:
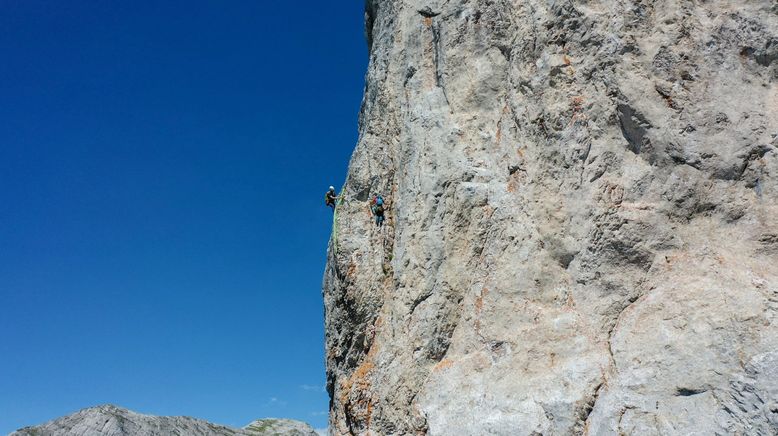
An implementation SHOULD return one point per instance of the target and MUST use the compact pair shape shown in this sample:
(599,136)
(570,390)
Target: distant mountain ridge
(110,420)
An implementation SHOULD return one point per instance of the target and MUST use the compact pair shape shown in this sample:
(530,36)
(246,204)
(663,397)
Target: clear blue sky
(162,228)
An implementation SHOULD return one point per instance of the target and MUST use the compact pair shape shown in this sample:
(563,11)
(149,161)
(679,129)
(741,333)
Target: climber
(377,208)
(330,198)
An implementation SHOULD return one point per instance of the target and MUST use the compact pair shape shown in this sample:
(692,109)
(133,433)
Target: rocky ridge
(582,232)
(110,420)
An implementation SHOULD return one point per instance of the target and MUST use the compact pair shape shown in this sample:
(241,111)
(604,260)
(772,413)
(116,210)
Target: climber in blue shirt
(377,208)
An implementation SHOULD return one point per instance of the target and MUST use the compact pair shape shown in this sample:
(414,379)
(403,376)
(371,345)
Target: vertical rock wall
(582,232)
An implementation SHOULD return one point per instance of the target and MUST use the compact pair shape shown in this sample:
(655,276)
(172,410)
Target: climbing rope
(335,223)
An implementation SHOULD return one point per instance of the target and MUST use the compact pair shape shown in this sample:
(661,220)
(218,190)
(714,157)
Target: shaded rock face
(582,222)
(114,421)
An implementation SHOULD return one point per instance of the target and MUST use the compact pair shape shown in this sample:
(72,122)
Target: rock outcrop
(279,427)
(582,223)
(110,420)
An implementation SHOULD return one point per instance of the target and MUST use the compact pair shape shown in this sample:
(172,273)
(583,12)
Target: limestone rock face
(110,420)
(582,222)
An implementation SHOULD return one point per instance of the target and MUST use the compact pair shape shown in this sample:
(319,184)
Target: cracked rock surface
(110,420)
(582,222)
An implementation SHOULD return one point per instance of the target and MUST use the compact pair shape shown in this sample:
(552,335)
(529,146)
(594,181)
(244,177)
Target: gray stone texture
(582,222)
(110,420)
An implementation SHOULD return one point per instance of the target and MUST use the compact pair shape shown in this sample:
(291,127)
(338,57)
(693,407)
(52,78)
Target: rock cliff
(582,223)
(110,420)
